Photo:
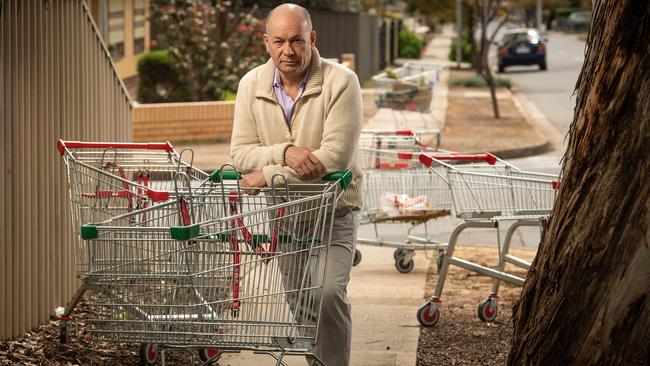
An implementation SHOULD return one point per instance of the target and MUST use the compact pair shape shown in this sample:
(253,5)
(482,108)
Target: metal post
(459,23)
(539,15)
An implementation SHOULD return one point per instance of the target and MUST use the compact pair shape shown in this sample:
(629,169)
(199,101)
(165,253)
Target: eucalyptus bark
(586,299)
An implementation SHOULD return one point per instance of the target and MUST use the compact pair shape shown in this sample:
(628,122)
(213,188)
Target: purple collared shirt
(286,102)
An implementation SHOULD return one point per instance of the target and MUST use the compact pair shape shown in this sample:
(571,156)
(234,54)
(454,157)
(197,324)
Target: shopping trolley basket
(402,140)
(110,178)
(483,196)
(248,277)
(399,189)
(410,109)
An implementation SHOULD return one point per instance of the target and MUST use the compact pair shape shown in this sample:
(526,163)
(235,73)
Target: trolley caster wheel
(357,257)
(64,332)
(425,317)
(210,356)
(399,252)
(404,267)
(148,354)
(487,310)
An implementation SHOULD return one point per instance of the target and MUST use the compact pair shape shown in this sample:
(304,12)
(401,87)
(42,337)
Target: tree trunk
(586,299)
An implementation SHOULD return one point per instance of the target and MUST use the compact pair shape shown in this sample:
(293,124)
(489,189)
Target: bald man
(300,115)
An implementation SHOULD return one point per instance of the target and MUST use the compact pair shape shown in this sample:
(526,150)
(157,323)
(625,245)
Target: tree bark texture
(586,299)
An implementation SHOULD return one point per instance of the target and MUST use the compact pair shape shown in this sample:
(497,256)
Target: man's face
(289,43)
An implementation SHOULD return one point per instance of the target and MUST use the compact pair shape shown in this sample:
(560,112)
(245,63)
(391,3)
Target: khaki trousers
(334,336)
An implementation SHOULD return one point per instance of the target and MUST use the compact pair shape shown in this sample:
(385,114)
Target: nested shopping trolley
(402,140)
(216,270)
(110,178)
(409,107)
(484,195)
(398,189)
(107,179)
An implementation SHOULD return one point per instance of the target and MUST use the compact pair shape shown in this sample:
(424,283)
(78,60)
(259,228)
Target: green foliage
(228,95)
(214,43)
(440,8)
(159,80)
(565,12)
(466,51)
(410,45)
(478,81)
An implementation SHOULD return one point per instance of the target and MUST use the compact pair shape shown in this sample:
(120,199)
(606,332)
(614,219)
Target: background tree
(494,16)
(214,43)
(586,300)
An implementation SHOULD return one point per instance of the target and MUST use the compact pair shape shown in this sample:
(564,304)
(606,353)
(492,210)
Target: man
(300,115)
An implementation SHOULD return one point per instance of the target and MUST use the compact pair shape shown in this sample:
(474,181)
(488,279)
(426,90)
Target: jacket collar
(314,80)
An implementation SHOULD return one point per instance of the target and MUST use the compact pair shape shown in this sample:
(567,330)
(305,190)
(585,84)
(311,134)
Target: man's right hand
(304,162)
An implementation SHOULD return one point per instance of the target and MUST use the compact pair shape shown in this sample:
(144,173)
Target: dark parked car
(522,47)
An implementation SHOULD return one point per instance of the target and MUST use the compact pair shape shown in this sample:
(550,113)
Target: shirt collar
(277,82)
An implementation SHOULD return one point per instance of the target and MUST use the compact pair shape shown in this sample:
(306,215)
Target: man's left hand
(251,182)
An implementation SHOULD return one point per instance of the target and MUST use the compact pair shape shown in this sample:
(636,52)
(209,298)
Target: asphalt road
(552,91)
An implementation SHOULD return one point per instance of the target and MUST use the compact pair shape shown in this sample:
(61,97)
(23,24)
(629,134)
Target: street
(552,90)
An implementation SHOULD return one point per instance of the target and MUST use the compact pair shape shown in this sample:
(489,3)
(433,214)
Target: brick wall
(179,122)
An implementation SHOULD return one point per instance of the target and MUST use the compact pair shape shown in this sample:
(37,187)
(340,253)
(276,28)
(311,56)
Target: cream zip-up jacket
(327,117)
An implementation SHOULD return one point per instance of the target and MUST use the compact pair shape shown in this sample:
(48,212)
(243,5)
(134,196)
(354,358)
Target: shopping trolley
(402,140)
(483,196)
(107,179)
(217,271)
(398,189)
(412,72)
(409,106)
(111,178)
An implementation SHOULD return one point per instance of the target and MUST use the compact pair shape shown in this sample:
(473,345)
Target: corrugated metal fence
(356,33)
(57,80)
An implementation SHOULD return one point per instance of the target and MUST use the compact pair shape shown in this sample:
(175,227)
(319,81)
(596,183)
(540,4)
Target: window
(116,28)
(138,26)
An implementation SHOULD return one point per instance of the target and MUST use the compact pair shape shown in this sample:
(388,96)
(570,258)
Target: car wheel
(542,66)
(502,68)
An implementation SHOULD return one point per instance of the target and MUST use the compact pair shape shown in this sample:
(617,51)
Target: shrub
(466,51)
(158,80)
(410,46)
(478,81)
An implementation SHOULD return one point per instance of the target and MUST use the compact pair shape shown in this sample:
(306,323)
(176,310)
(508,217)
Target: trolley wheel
(404,267)
(64,332)
(210,354)
(399,252)
(148,354)
(357,257)
(425,318)
(487,311)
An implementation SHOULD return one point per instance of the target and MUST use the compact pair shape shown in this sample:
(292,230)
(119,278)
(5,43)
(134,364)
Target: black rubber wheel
(404,267)
(357,257)
(210,354)
(148,354)
(425,318)
(487,311)
(64,332)
(399,252)
(502,68)
(542,66)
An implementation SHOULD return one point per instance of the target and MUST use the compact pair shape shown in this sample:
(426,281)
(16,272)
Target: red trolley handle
(62,145)
(487,157)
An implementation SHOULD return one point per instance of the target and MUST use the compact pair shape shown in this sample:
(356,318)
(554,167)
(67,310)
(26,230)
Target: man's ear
(313,37)
(266,42)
